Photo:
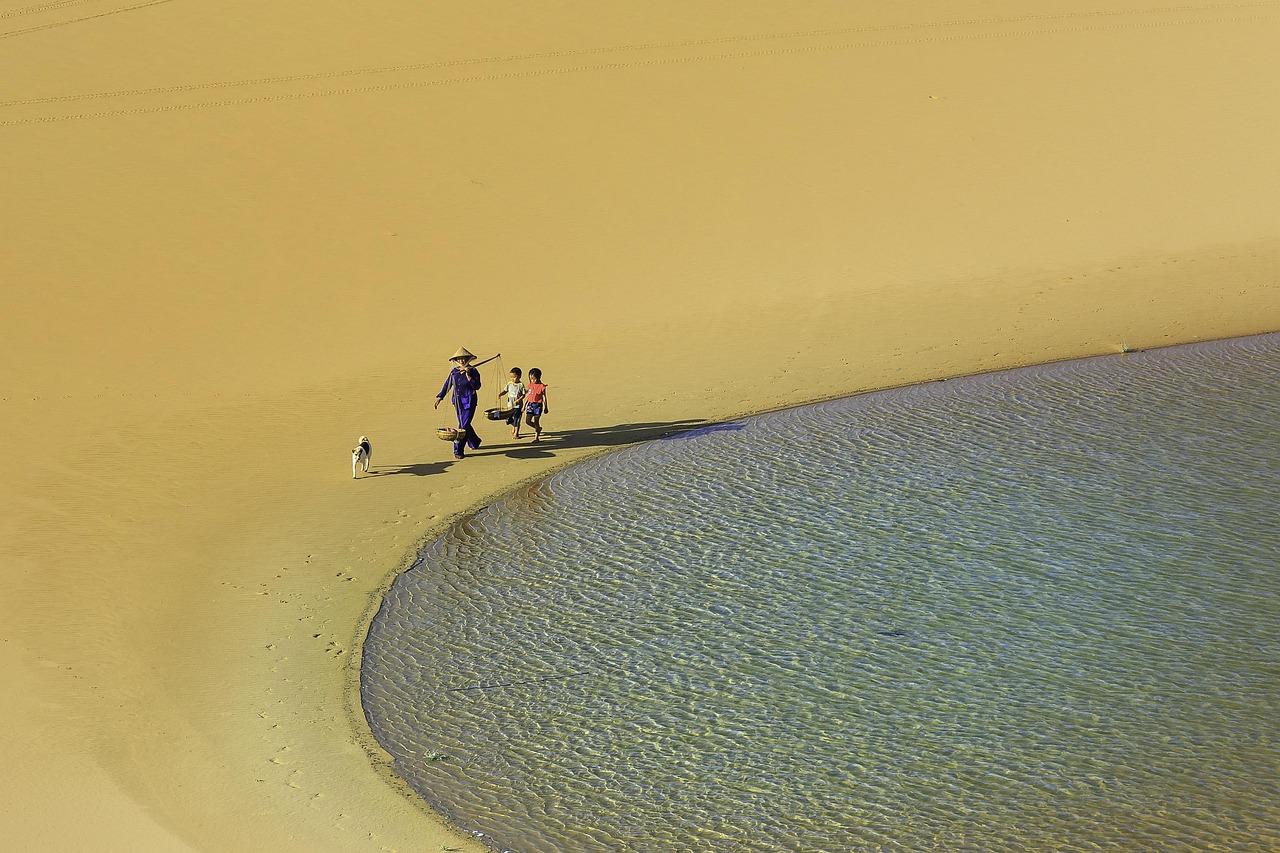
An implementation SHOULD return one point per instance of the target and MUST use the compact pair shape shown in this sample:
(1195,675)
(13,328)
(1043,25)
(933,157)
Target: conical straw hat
(461,353)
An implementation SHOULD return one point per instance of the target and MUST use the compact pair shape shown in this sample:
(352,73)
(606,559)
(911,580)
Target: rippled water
(1035,610)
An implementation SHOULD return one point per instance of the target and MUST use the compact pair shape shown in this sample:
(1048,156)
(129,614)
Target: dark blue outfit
(465,384)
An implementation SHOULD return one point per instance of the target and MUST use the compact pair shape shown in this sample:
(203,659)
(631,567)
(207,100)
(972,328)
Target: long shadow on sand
(611,436)
(419,469)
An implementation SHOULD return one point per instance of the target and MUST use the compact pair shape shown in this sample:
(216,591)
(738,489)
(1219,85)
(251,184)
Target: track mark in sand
(54,24)
(43,7)
(608,66)
(562,54)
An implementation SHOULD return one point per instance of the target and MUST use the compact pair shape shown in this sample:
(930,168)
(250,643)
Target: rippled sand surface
(1034,610)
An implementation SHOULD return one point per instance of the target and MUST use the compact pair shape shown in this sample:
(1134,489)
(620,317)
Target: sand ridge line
(40,27)
(557,54)
(43,7)
(611,66)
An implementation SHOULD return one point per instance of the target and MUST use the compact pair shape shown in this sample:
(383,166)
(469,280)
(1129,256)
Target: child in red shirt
(535,403)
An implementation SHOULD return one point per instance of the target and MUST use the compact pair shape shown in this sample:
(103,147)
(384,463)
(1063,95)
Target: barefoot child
(514,392)
(535,403)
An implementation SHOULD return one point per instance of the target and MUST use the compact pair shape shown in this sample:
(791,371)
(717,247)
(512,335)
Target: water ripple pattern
(1029,611)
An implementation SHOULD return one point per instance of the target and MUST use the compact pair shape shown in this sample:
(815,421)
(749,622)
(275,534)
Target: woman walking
(464,380)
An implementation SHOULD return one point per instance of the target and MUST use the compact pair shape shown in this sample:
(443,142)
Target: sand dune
(242,235)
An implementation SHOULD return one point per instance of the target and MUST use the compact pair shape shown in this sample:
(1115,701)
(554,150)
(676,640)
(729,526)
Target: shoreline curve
(378,756)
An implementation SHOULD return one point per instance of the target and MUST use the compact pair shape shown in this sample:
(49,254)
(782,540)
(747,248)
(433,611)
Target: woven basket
(498,414)
(450,434)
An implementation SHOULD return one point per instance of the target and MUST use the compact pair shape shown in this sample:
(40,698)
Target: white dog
(361,456)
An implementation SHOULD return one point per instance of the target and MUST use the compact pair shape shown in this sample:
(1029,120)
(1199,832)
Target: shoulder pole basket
(501,413)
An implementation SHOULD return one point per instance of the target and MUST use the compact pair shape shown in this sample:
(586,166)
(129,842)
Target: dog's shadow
(418,469)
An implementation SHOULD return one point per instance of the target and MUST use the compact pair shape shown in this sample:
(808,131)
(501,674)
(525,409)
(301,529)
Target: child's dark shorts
(533,410)
(514,420)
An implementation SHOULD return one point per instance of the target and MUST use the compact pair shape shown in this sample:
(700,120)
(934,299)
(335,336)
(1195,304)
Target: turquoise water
(1034,610)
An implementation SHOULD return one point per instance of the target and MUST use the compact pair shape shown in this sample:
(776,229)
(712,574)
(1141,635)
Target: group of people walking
(464,381)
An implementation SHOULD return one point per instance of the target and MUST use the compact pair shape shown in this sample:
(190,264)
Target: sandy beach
(241,236)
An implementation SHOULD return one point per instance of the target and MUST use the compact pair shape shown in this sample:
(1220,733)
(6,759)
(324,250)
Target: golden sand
(239,236)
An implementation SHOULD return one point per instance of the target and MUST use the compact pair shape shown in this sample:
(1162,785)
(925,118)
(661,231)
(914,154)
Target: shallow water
(1034,610)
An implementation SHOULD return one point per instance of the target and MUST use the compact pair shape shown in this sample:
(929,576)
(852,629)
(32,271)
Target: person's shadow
(617,435)
(418,469)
